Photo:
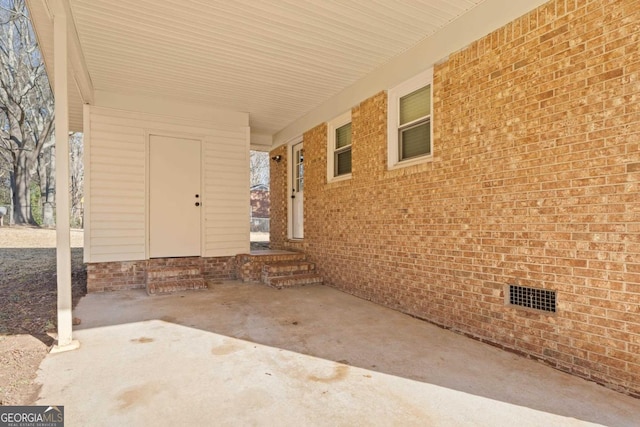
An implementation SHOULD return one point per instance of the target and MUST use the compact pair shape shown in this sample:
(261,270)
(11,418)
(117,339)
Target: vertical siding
(117,228)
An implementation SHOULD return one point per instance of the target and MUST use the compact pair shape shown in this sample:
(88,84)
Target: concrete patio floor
(246,354)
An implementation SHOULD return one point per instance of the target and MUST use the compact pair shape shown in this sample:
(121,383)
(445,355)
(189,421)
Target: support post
(63,232)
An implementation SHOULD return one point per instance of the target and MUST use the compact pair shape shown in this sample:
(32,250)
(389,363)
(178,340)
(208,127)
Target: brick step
(167,279)
(270,256)
(168,274)
(289,281)
(249,266)
(283,268)
(169,286)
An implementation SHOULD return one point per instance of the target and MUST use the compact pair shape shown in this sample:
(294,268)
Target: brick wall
(114,276)
(278,198)
(219,268)
(535,182)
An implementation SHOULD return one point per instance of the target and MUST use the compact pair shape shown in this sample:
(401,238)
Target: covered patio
(143,81)
(247,354)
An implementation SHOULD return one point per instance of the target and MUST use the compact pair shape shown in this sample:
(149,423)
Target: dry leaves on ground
(28,301)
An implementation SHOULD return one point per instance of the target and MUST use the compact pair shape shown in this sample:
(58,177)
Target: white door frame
(290,162)
(147,140)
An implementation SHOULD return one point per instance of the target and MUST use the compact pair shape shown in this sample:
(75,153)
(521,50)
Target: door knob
(197,203)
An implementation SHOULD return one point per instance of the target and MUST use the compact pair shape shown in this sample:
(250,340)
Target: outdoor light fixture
(277,158)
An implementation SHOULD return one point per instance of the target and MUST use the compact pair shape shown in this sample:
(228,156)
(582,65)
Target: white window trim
(393,112)
(332,125)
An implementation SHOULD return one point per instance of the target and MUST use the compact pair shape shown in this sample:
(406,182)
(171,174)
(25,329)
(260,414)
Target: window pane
(415,105)
(343,136)
(300,176)
(300,171)
(415,141)
(343,162)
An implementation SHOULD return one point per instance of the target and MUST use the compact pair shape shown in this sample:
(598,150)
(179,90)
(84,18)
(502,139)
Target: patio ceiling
(276,59)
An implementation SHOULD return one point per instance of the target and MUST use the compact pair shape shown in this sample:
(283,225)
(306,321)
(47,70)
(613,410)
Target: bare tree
(46,168)
(259,168)
(76,184)
(26,104)
(5,189)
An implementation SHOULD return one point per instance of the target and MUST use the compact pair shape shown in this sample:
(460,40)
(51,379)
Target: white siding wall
(116,227)
(226,192)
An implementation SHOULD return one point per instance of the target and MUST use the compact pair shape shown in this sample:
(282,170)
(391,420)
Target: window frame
(394,95)
(332,126)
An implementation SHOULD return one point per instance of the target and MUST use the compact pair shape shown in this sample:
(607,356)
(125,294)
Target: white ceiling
(276,59)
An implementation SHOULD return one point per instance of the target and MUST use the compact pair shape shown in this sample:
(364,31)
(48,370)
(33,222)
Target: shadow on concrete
(160,373)
(325,323)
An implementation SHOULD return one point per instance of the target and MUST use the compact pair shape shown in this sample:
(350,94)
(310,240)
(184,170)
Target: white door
(174,197)
(297,192)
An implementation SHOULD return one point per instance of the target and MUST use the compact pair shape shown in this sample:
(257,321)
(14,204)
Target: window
(342,154)
(339,148)
(409,118)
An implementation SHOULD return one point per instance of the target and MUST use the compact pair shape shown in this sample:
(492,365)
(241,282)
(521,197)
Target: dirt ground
(28,305)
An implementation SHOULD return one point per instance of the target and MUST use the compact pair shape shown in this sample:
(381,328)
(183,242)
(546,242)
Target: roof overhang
(290,65)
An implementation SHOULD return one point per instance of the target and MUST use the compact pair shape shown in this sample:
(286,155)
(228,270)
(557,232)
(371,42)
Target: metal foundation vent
(537,299)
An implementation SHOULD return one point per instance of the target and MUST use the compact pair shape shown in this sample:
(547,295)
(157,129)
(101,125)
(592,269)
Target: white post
(63,235)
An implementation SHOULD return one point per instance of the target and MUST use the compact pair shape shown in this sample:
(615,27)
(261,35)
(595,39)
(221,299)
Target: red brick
(534,182)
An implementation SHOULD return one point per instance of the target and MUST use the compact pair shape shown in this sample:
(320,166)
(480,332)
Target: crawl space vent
(537,299)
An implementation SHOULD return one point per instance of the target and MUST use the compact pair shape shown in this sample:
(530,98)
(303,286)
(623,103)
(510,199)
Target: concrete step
(289,281)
